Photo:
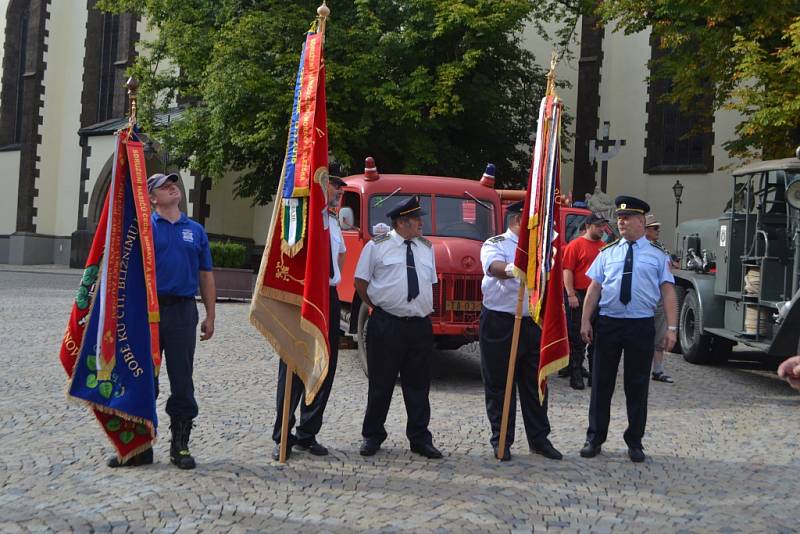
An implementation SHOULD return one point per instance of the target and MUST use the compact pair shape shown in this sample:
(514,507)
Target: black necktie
(330,263)
(411,272)
(627,276)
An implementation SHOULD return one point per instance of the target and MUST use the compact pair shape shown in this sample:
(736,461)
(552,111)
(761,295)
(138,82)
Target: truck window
(463,217)
(775,188)
(353,201)
(379,205)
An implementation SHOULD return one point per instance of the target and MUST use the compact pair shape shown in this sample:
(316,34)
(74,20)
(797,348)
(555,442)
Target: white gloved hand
(509,270)
(381,228)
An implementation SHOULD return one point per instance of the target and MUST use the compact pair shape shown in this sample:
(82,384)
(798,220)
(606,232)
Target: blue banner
(131,390)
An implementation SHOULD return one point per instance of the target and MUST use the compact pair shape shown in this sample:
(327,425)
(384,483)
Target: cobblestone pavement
(722,445)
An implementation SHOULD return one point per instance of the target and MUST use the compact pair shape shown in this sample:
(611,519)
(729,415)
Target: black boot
(576,377)
(179,454)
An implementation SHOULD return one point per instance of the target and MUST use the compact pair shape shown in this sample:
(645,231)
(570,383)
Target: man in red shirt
(578,257)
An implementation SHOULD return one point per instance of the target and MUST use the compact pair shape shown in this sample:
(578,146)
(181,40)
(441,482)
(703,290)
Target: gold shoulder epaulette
(660,247)
(380,238)
(425,242)
(610,244)
(497,239)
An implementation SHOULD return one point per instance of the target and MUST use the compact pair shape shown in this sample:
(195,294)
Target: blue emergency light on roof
(370,170)
(487,179)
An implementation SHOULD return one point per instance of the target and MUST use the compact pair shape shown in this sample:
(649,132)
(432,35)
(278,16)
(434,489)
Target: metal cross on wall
(610,149)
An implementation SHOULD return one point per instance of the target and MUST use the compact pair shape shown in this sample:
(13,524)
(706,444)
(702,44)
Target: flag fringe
(284,355)
(283,296)
(319,353)
(122,415)
(291,250)
(549,369)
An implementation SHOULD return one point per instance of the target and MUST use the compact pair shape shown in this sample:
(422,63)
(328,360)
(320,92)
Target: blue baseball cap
(158,180)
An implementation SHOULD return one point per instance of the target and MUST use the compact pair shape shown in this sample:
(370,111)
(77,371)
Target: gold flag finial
(323,12)
(551,75)
(133,87)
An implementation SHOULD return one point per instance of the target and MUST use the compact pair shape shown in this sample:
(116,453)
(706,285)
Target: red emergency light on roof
(370,170)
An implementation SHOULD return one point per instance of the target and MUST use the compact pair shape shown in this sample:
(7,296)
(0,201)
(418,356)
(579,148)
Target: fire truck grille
(457,299)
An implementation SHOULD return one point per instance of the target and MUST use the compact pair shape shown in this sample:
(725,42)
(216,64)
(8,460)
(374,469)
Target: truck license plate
(463,305)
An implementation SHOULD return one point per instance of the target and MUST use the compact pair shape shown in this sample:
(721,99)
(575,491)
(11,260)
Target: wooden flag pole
(512,357)
(512,363)
(287,400)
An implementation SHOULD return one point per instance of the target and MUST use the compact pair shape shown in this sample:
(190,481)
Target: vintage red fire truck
(461,215)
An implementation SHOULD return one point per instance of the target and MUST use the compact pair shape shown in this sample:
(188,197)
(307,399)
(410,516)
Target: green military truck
(738,276)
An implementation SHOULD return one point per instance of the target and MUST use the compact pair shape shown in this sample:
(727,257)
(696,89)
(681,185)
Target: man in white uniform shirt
(500,289)
(395,276)
(311,415)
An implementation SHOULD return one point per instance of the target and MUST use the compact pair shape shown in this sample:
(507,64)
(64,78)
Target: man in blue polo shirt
(183,263)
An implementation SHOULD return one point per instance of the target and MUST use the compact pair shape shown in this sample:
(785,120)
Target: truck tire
(680,296)
(361,337)
(695,344)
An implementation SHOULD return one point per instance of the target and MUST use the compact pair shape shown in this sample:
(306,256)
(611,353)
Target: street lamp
(677,190)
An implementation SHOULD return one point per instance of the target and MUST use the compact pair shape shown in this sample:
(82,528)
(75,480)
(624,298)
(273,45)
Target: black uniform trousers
(577,348)
(177,334)
(310,415)
(611,338)
(496,332)
(401,345)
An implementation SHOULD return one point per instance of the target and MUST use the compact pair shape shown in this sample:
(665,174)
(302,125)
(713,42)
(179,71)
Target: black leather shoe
(506,456)
(427,450)
(563,372)
(276,451)
(546,449)
(590,450)
(576,379)
(313,447)
(636,454)
(368,448)
(143,458)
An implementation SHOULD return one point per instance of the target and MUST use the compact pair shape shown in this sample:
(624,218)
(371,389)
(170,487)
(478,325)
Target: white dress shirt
(501,294)
(337,247)
(383,265)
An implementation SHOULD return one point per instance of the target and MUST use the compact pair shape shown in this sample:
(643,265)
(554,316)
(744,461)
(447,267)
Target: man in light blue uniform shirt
(629,277)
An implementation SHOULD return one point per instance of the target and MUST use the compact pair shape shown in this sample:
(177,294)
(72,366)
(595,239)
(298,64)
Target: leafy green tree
(734,54)
(424,86)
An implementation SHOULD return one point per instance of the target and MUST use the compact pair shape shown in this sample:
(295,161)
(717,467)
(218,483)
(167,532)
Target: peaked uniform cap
(631,206)
(409,206)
